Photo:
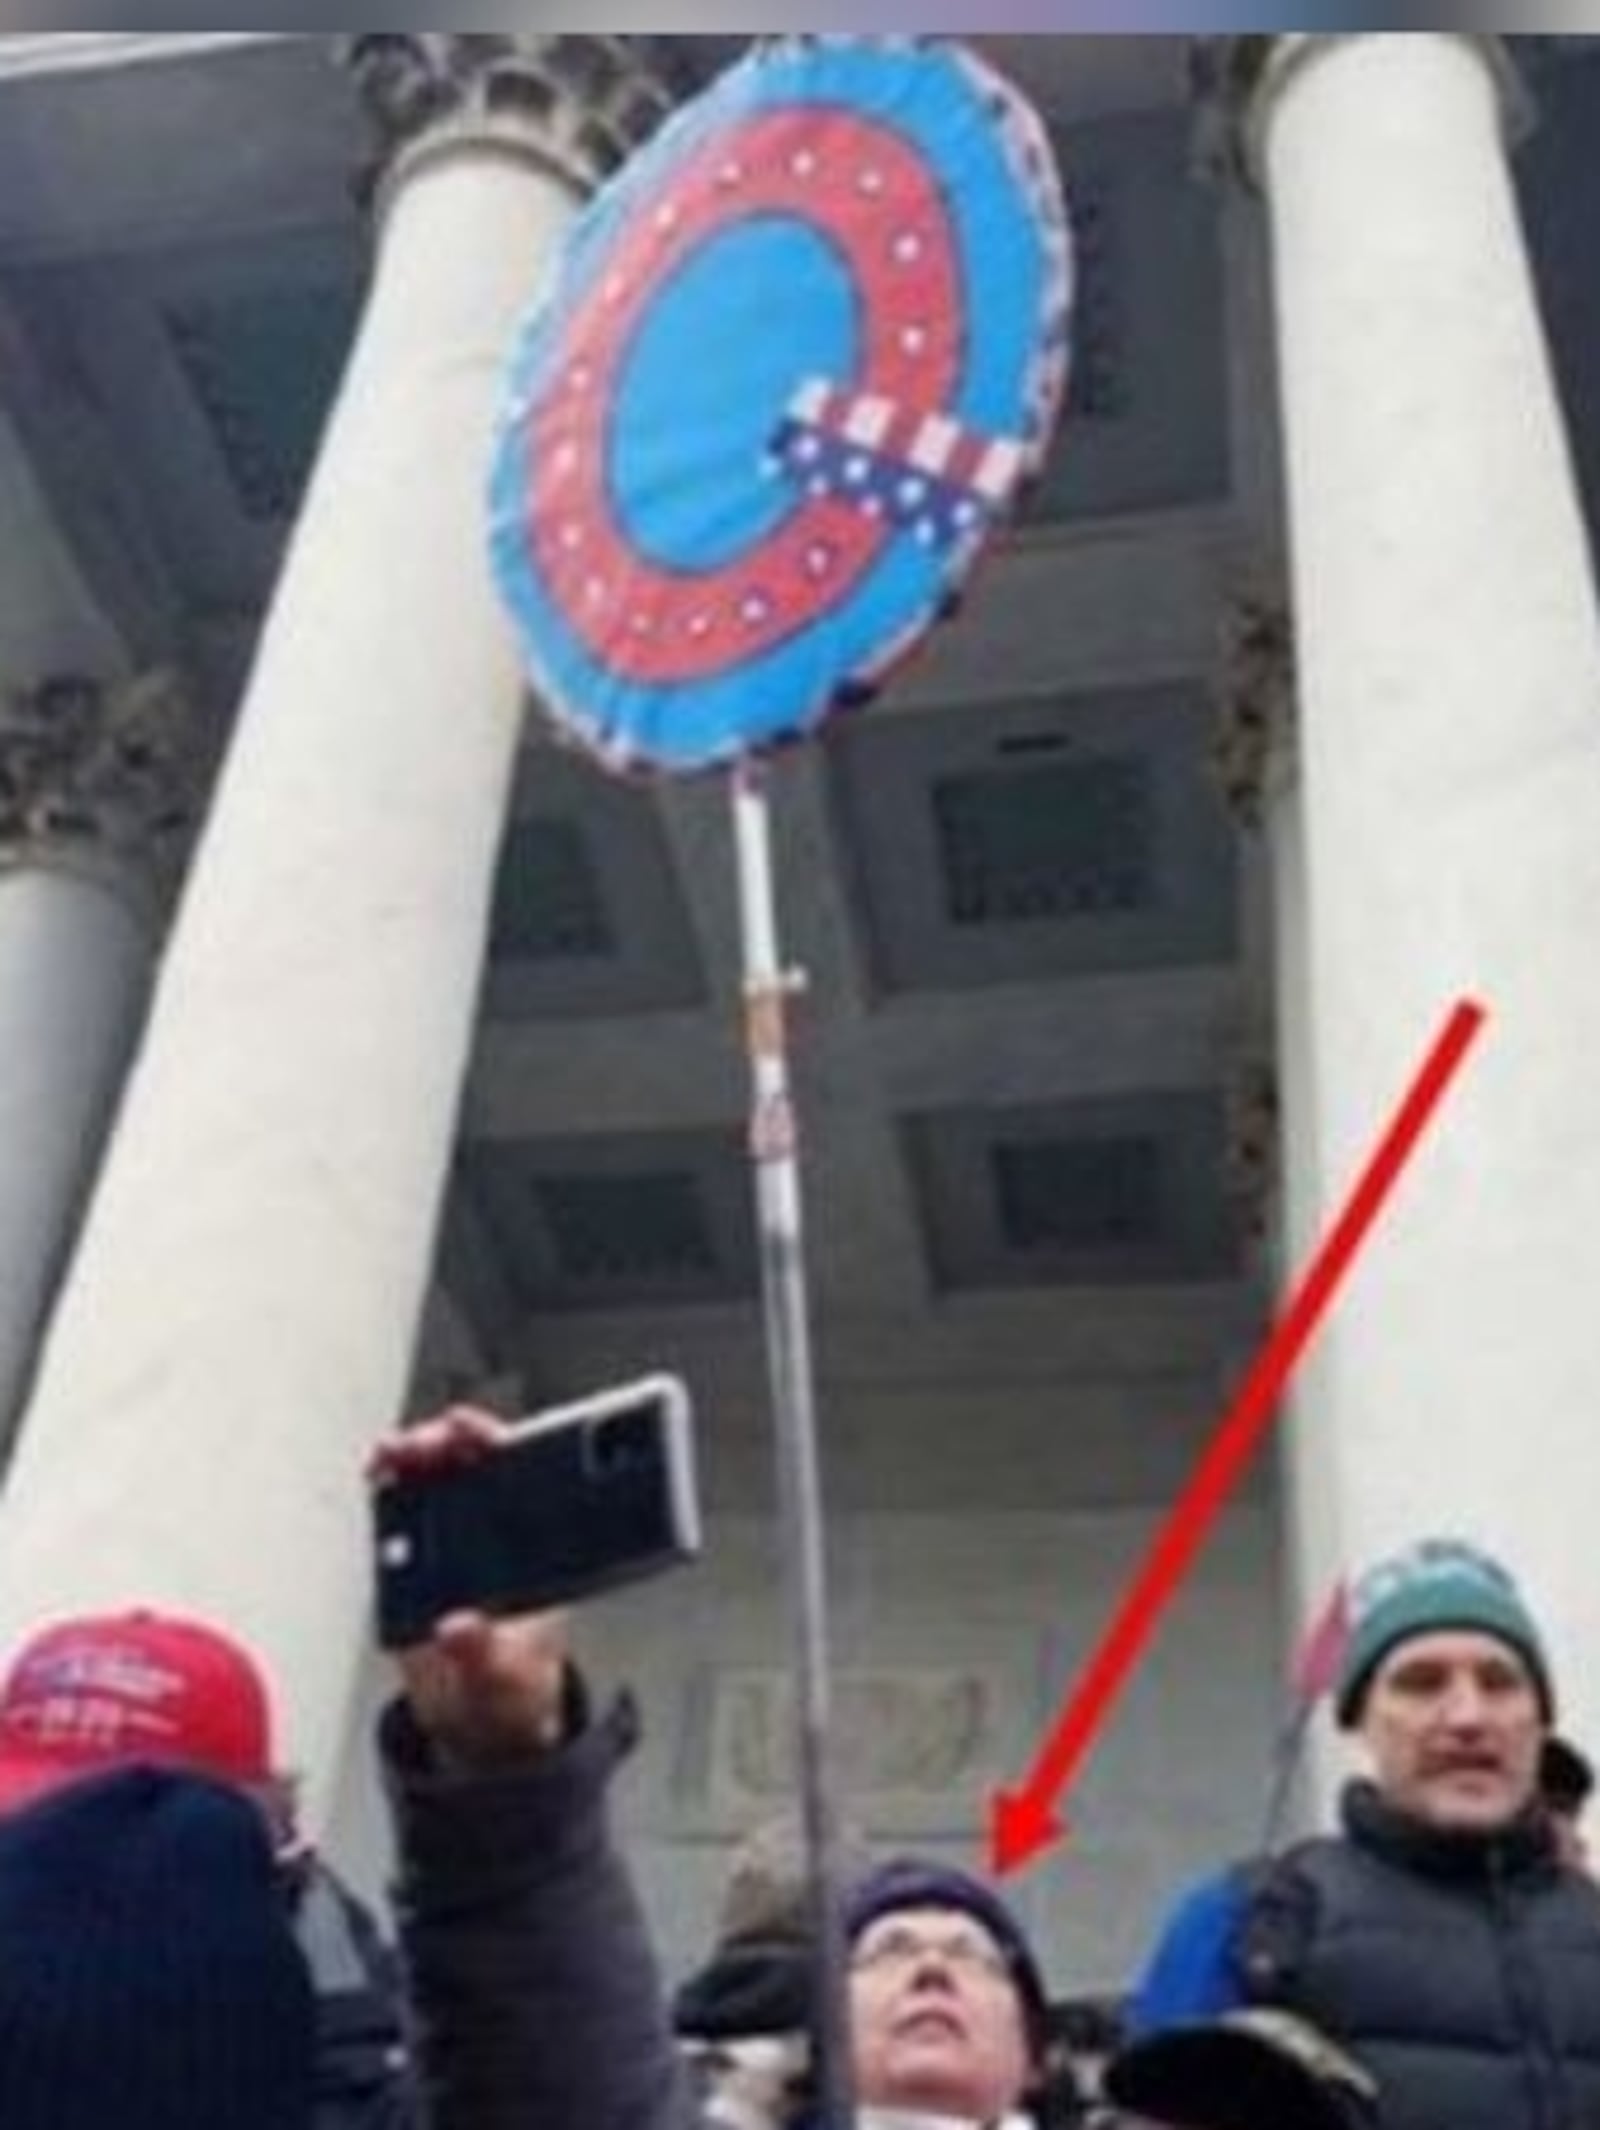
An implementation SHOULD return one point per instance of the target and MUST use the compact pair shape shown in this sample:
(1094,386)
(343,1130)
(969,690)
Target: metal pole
(774,1152)
(1287,1753)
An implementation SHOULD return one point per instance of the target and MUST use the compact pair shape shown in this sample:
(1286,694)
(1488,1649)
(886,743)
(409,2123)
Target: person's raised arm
(538,1999)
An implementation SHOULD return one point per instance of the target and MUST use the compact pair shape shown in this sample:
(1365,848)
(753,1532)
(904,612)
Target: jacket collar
(1521,1846)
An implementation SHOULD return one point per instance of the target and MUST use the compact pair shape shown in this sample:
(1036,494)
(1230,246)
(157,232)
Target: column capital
(576,107)
(1236,82)
(1254,742)
(99,776)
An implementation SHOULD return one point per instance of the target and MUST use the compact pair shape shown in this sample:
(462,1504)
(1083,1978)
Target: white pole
(774,1150)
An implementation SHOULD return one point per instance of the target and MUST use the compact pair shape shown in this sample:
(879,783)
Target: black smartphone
(579,1499)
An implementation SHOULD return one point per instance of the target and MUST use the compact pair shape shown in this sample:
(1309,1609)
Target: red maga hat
(89,1694)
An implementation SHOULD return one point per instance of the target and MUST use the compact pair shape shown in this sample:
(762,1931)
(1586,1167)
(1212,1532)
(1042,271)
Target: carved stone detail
(579,106)
(907,1733)
(1251,1171)
(93,771)
(1253,736)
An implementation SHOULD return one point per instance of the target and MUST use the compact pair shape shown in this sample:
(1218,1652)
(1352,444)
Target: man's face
(937,2019)
(1453,1726)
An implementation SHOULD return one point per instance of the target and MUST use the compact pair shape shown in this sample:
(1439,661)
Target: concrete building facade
(362,1047)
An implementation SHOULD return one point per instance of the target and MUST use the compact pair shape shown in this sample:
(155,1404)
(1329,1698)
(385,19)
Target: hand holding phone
(545,1511)
(488,1692)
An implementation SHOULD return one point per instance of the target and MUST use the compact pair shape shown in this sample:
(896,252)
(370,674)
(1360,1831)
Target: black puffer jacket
(1462,1969)
(537,1999)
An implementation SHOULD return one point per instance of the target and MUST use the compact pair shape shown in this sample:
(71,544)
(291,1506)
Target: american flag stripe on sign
(924,473)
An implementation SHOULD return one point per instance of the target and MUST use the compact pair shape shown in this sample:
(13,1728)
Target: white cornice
(88,51)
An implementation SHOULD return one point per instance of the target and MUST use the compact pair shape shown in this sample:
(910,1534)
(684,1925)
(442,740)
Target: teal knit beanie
(1439,1584)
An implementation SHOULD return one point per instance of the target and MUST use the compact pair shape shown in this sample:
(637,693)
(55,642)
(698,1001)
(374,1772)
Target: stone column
(97,794)
(1449,747)
(240,1318)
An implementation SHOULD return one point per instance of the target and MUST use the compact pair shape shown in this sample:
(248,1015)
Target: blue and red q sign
(789,373)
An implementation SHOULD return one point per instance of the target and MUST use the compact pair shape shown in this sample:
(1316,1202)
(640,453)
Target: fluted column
(1449,750)
(97,793)
(240,1317)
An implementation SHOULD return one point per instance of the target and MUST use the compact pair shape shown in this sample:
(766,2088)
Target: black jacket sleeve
(538,2001)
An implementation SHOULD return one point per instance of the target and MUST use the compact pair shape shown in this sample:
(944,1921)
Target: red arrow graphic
(1026,1821)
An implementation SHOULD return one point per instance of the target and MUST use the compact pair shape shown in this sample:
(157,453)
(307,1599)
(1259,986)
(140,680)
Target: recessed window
(625,1228)
(1047,842)
(1081,1194)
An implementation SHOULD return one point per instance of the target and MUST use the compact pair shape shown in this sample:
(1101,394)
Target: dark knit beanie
(1434,1586)
(149,1976)
(912,1882)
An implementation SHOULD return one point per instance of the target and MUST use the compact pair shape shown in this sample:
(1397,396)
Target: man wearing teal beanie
(1438,1938)
(1438,1585)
